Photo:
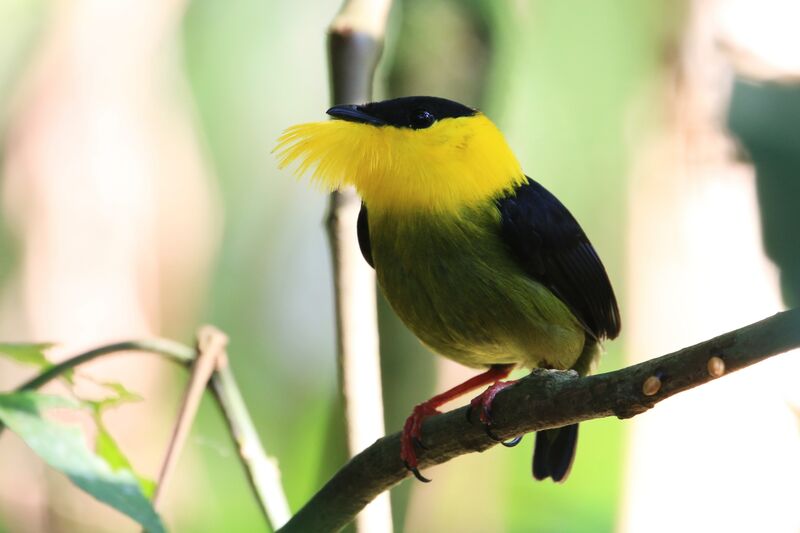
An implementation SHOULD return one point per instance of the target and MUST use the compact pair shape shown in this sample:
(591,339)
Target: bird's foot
(412,430)
(483,405)
(412,436)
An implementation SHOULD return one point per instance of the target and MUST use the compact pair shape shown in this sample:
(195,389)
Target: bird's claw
(489,433)
(507,443)
(513,442)
(483,402)
(412,438)
(414,470)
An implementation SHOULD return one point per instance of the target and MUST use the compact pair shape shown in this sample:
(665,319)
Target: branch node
(651,386)
(716,367)
(209,336)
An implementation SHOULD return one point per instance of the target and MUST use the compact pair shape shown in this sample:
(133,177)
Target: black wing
(362,229)
(550,244)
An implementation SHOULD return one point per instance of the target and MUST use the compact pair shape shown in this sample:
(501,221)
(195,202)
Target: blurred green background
(570,83)
(538,69)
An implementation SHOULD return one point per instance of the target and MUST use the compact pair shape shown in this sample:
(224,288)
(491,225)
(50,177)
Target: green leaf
(106,447)
(29,354)
(121,396)
(64,448)
(32,354)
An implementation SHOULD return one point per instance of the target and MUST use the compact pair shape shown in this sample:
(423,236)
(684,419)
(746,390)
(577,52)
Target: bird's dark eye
(421,119)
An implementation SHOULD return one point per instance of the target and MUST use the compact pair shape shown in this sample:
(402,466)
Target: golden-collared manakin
(482,263)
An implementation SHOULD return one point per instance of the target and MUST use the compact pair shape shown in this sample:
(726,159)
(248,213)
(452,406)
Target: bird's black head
(415,112)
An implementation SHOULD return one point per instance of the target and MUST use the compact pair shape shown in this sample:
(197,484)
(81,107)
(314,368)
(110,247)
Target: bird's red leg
(412,430)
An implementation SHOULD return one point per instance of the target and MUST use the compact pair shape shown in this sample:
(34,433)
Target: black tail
(554,452)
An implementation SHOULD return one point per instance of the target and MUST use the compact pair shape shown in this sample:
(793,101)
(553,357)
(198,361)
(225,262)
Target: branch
(171,350)
(211,344)
(174,351)
(262,472)
(546,399)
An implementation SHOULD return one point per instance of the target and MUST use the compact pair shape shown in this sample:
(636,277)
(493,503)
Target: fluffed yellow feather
(456,163)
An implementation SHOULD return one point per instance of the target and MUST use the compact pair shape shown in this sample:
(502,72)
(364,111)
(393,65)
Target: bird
(481,262)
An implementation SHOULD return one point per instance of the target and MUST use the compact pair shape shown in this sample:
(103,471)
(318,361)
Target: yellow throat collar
(457,162)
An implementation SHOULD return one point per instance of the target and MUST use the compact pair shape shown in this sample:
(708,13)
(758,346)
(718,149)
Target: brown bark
(543,400)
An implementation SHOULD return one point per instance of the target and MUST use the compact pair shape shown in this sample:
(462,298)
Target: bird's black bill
(354,113)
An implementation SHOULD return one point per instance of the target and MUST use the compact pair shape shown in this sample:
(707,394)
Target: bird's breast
(454,284)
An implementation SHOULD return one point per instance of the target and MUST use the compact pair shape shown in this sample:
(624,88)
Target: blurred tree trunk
(108,194)
(721,457)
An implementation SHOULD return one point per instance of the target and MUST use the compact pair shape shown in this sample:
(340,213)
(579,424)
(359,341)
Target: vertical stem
(262,470)
(355,43)
(211,346)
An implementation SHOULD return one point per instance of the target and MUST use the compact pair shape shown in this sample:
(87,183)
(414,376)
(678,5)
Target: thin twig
(355,43)
(174,351)
(543,400)
(171,350)
(262,472)
(211,345)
